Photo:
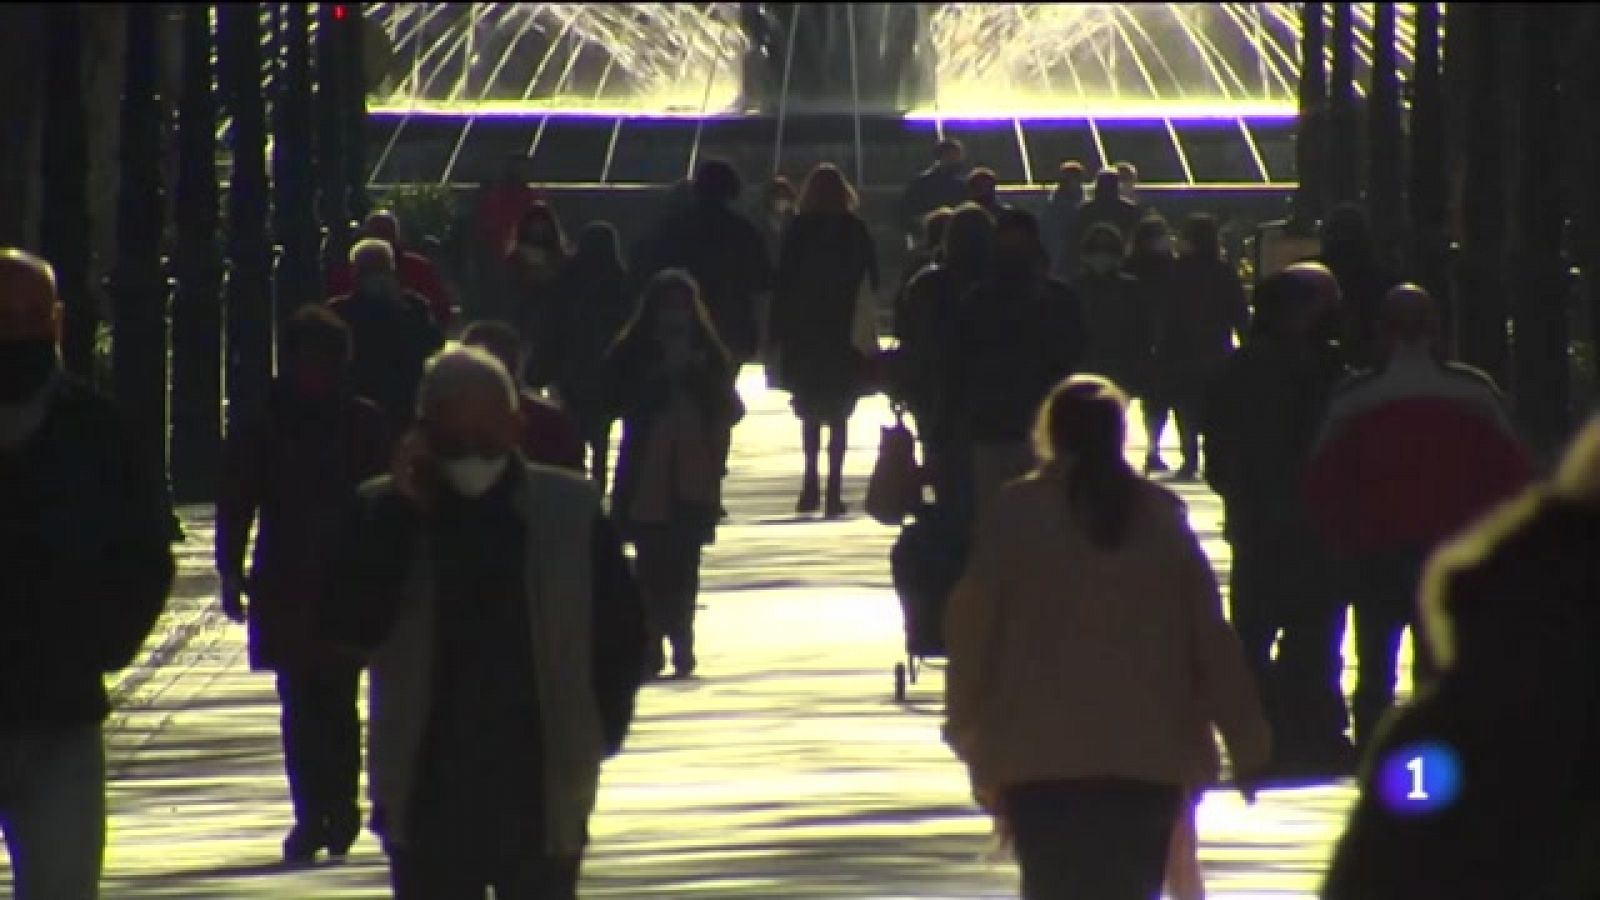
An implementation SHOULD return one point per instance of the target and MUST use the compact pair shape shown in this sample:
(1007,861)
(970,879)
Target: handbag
(864,325)
(895,488)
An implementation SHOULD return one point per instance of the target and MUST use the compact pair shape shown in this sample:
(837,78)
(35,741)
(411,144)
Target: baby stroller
(926,562)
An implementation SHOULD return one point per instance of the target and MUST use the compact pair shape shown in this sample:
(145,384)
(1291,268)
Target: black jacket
(727,255)
(392,343)
(934,187)
(88,562)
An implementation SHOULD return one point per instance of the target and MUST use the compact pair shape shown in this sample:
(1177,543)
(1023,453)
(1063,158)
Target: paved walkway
(786,772)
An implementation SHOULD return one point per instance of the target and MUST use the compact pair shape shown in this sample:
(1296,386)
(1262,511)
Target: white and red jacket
(1410,454)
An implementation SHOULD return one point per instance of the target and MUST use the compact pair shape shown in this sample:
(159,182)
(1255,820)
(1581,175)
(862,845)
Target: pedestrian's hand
(232,599)
(412,468)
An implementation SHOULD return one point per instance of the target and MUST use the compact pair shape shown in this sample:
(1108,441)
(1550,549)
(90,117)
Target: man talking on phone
(505,637)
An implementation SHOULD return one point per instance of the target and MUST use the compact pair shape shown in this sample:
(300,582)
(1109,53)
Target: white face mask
(473,475)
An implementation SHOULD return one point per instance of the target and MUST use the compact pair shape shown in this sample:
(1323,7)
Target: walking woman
(594,307)
(292,471)
(1118,315)
(1084,636)
(672,379)
(827,258)
(534,277)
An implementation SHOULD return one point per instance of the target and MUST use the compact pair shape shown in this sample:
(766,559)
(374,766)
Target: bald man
(506,640)
(1260,423)
(85,573)
(1411,452)
(417,273)
(392,332)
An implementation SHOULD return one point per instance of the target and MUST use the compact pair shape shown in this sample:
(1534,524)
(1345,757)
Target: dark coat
(640,392)
(1363,283)
(1059,225)
(392,342)
(934,187)
(727,255)
(1260,422)
(1120,318)
(824,263)
(1116,212)
(88,563)
(294,469)
(1516,601)
(594,306)
(538,300)
(1013,343)
(926,329)
(1197,314)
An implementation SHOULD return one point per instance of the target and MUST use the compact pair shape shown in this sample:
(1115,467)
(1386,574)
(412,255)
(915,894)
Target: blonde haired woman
(1083,639)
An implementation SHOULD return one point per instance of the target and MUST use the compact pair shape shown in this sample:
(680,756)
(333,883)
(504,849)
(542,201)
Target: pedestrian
(926,328)
(779,204)
(500,207)
(417,273)
(595,306)
(983,188)
(672,380)
(86,527)
(1201,323)
(724,252)
(1084,638)
(536,278)
(291,470)
(1513,627)
(1107,207)
(1350,254)
(941,184)
(828,260)
(504,635)
(925,254)
(1261,420)
(1128,182)
(391,332)
(1118,314)
(1409,454)
(1153,266)
(1060,221)
(1016,335)
(549,435)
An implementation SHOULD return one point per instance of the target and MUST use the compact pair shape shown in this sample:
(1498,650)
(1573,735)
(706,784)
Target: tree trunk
(1429,185)
(64,225)
(329,111)
(1344,148)
(1310,195)
(1481,273)
(1540,374)
(1386,141)
(249,287)
(139,285)
(355,118)
(197,309)
(294,176)
(21,40)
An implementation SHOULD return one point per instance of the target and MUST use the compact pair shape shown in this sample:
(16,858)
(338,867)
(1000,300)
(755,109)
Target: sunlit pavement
(785,770)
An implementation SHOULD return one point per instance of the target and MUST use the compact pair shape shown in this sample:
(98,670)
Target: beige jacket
(1067,661)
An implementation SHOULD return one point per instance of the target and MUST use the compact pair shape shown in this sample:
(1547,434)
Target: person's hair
(935,224)
(641,326)
(826,191)
(381,223)
(599,248)
(1103,237)
(543,213)
(1105,184)
(1071,170)
(371,248)
(1409,315)
(981,177)
(948,146)
(1204,237)
(1084,421)
(968,239)
(1280,300)
(458,369)
(314,330)
(779,186)
(1148,229)
(500,340)
(1018,220)
(1127,170)
(716,181)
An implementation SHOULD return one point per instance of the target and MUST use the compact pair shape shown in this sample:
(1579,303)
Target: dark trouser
(1385,588)
(1281,592)
(53,811)
(667,565)
(838,446)
(322,744)
(419,875)
(1185,407)
(1104,839)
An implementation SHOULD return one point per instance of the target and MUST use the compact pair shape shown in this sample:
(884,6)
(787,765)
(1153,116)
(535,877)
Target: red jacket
(417,273)
(500,211)
(549,435)
(1408,460)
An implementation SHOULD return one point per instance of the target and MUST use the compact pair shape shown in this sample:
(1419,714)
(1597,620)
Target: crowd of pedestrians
(434,513)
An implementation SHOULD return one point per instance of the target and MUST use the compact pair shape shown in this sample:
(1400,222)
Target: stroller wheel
(899,682)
